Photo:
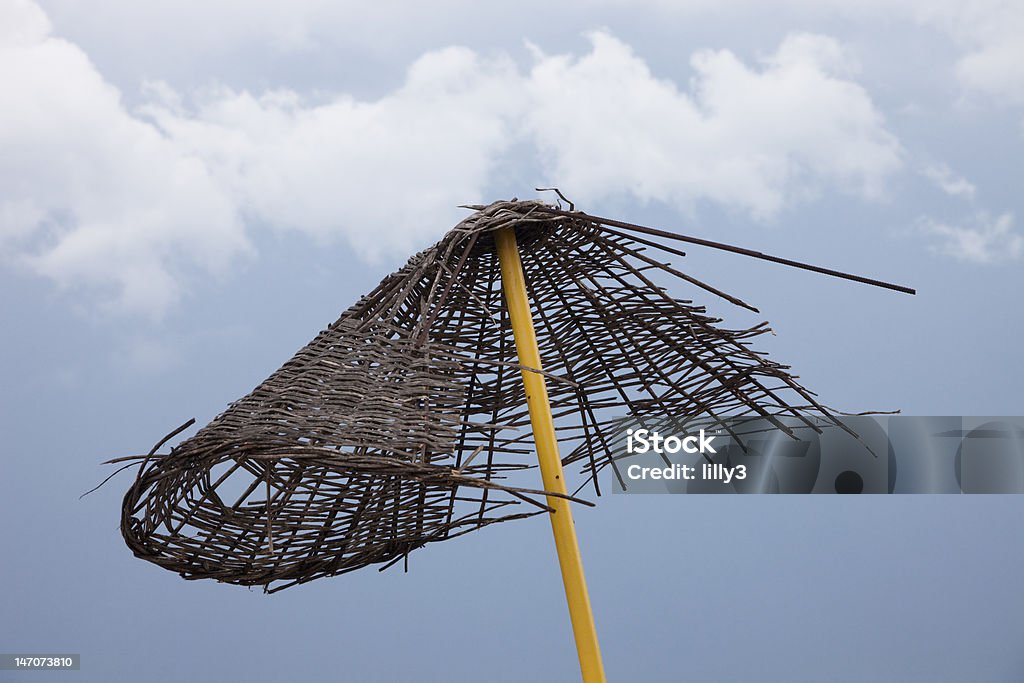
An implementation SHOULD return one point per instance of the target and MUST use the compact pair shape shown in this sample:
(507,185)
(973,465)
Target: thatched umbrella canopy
(403,421)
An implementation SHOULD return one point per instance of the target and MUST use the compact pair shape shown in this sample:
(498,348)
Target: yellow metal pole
(513,283)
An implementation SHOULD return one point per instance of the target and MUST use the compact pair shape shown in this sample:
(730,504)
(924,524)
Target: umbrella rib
(722,246)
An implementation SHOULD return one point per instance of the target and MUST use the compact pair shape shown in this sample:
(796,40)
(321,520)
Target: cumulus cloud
(132,201)
(383,173)
(983,239)
(756,138)
(943,177)
(89,194)
(987,32)
(990,32)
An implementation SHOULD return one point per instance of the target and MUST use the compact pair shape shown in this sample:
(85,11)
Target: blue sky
(190,191)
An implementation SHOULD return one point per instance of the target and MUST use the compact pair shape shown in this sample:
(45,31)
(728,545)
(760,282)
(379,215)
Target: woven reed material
(405,422)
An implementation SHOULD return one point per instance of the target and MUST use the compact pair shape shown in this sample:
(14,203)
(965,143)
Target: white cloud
(984,240)
(127,202)
(90,195)
(22,23)
(949,182)
(991,34)
(986,32)
(384,174)
(754,138)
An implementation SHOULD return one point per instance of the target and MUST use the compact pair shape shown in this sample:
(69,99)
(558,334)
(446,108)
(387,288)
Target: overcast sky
(190,191)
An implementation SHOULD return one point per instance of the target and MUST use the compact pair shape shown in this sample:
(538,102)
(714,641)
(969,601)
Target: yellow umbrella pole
(513,283)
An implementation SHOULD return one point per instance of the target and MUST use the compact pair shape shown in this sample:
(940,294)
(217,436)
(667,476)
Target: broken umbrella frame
(391,429)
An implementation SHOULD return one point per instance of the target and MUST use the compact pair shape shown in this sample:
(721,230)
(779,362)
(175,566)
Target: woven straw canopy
(404,422)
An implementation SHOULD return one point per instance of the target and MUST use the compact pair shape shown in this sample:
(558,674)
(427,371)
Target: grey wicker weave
(404,422)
